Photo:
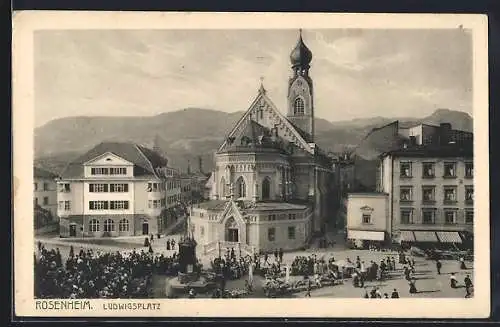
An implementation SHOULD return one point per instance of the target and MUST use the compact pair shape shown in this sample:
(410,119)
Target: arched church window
(266,189)
(222,187)
(241,187)
(298,106)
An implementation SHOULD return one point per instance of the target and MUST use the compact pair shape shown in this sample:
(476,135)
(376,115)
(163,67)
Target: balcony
(450,202)
(469,202)
(429,202)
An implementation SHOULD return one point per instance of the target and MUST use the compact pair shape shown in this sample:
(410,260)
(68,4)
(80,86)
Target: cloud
(356,73)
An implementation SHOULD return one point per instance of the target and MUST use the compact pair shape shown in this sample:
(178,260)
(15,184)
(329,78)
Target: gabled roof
(145,160)
(42,173)
(294,135)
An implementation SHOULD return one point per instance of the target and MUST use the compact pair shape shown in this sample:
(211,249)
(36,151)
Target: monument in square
(190,270)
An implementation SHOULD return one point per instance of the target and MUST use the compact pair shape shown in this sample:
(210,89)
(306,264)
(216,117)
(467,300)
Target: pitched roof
(145,160)
(42,173)
(295,135)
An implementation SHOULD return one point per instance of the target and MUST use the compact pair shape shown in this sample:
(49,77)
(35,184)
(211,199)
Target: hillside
(185,134)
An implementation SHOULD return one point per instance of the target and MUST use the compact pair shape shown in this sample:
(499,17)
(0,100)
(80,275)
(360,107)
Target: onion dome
(300,55)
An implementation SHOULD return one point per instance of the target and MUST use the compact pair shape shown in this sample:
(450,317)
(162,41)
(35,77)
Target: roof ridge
(138,147)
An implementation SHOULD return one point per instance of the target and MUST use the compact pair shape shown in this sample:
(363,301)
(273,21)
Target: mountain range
(185,135)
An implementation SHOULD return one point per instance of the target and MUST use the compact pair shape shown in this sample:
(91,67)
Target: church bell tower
(300,90)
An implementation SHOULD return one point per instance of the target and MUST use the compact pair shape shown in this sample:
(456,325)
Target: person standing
(462,263)
(395,294)
(468,286)
(308,291)
(438,266)
(168,244)
(413,286)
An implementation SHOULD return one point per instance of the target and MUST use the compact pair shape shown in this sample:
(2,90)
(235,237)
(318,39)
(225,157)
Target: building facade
(271,184)
(429,182)
(115,189)
(45,191)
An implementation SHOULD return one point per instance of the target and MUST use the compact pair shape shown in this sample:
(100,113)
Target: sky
(357,73)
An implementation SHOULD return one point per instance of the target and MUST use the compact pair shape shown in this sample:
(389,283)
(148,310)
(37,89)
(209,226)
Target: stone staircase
(216,247)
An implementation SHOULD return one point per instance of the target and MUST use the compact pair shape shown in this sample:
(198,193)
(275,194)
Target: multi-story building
(271,184)
(428,187)
(114,189)
(44,191)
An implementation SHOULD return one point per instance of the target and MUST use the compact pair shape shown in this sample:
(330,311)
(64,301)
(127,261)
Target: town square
(269,202)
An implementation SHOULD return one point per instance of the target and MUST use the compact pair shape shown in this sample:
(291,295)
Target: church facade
(271,184)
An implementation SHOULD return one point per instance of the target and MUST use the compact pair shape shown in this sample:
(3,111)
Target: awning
(365,235)
(406,236)
(426,236)
(449,237)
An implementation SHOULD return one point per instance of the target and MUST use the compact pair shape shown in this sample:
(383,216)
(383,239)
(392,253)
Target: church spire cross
(262,89)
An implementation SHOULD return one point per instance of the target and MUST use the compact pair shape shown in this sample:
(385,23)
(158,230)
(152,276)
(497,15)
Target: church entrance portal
(232,231)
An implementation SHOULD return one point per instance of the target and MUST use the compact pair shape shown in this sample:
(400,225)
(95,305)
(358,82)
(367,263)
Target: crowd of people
(95,274)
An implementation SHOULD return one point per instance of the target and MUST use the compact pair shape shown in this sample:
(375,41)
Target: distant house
(115,189)
(44,191)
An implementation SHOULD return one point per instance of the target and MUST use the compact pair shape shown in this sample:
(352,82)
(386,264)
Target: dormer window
(298,107)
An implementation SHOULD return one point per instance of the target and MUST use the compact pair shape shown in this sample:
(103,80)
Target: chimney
(444,133)
(189,168)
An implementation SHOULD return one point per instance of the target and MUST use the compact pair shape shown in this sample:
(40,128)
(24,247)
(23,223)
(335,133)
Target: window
(405,169)
(64,188)
(266,189)
(35,186)
(428,170)
(118,188)
(291,232)
(99,171)
(123,225)
(272,217)
(98,205)
(298,107)
(428,217)
(241,187)
(469,194)
(202,231)
(450,170)
(45,200)
(36,202)
(118,205)
(450,217)
(405,193)
(450,194)
(271,234)
(469,170)
(118,171)
(98,188)
(64,205)
(154,204)
(292,216)
(469,217)
(45,186)
(428,194)
(109,225)
(94,225)
(154,187)
(367,218)
(407,216)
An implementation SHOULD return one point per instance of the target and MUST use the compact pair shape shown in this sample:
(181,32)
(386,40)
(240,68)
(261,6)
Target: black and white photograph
(299,162)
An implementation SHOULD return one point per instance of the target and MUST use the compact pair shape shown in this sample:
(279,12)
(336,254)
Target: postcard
(250,165)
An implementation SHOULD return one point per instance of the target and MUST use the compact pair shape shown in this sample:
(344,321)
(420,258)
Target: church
(272,184)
